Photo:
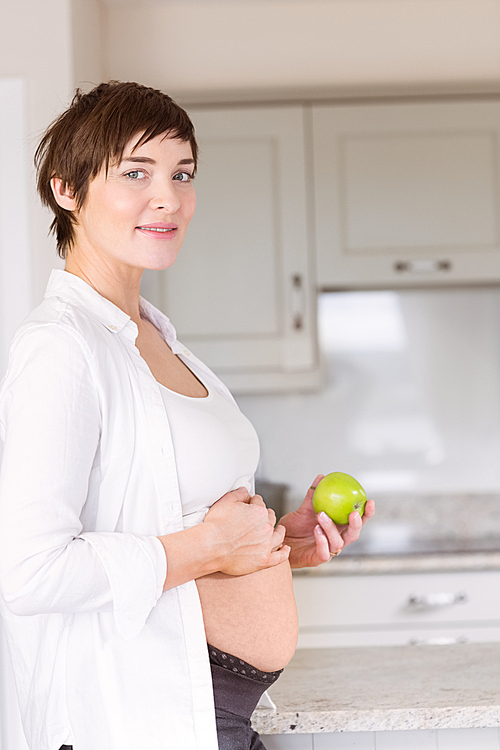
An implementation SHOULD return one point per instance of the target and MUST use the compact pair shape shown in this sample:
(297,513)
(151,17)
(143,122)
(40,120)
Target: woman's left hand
(314,539)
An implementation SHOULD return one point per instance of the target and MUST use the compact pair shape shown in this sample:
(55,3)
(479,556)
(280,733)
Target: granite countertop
(385,688)
(380,564)
(430,533)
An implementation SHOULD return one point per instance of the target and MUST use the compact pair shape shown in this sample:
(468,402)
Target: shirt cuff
(156,550)
(136,567)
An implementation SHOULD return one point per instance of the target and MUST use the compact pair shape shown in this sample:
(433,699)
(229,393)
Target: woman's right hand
(243,533)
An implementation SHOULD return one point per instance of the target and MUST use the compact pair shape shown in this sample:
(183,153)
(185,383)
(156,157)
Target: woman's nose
(166,198)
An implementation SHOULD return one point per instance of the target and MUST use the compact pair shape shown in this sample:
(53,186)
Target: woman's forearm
(191,554)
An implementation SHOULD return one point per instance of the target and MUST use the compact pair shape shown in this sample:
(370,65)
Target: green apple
(337,495)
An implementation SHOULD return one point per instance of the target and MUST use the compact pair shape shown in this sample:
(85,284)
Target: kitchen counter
(385,688)
(423,534)
(350,563)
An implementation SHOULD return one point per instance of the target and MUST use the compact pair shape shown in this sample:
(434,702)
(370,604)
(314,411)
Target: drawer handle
(432,601)
(298,302)
(438,641)
(426,265)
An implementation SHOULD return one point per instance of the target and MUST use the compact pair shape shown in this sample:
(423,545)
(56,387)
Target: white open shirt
(103,659)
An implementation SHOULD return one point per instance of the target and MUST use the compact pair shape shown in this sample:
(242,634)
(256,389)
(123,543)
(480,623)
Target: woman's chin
(160,264)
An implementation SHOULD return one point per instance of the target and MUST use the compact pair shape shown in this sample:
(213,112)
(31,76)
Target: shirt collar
(69,287)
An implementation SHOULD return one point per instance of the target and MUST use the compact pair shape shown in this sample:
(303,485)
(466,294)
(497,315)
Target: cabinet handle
(432,601)
(298,301)
(426,265)
(438,641)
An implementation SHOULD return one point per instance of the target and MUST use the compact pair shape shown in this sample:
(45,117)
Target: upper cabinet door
(407,194)
(240,294)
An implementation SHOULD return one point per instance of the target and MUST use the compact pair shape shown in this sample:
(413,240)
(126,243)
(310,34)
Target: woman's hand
(315,538)
(244,534)
(237,537)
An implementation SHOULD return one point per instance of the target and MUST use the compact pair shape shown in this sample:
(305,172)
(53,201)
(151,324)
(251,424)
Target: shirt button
(186,353)
(112,328)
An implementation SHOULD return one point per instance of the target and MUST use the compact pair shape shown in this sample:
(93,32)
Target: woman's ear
(63,194)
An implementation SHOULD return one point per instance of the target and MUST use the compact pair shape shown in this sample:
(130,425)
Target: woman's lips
(158,231)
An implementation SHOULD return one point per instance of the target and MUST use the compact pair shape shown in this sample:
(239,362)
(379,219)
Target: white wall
(87,39)
(194,47)
(411,403)
(16,293)
(38,47)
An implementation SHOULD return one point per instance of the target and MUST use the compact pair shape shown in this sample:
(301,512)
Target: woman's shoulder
(56,319)
(62,344)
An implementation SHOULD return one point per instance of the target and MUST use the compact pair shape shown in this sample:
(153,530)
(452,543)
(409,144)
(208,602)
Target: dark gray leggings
(235,732)
(238,687)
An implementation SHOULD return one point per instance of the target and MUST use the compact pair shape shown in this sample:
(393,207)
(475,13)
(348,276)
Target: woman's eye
(183,176)
(136,174)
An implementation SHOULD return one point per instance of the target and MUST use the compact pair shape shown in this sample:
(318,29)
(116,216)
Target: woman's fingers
(316,482)
(332,533)
(351,532)
(322,544)
(278,537)
(279,556)
(256,500)
(271,516)
(279,552)
(310,491)
(347,534)
(369,511)
(241,495)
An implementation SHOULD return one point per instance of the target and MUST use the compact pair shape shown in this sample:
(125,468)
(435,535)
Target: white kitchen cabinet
(296,198)
(385,610)
(241,293)
(407,193)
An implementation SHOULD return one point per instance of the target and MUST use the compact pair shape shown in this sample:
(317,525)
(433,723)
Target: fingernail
(319,530)
(323,516)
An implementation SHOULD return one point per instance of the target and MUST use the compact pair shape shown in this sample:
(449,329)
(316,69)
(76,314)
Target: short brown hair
(93,132)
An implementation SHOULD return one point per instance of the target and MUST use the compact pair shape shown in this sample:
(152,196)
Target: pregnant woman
(146,592)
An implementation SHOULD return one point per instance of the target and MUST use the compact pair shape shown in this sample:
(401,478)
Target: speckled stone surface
(427,533)
(404,563)
(444,515)
(385,688)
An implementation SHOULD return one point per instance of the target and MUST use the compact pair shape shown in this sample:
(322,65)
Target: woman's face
(138,213)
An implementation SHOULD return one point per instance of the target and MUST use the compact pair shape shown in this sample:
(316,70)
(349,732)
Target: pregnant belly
(253,617)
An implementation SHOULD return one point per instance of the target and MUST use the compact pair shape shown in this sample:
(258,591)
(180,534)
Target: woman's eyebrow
(147,160)
(139,159)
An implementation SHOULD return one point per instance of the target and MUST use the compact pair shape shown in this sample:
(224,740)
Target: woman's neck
(120,285)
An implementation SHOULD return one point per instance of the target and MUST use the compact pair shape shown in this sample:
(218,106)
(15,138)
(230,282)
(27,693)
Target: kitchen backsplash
(411,403)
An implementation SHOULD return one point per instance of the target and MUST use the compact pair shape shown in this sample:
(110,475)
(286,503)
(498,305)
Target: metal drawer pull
(444,599)
(426,265)
(439,641)
(298,302)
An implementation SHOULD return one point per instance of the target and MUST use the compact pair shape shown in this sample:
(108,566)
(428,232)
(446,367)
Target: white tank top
(216,448)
